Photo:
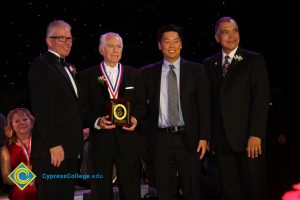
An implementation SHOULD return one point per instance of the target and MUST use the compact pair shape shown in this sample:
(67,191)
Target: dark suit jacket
(55,107)
(194,98)
(241,99)
(95,99)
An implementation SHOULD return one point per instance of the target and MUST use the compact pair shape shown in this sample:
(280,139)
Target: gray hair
(103,37)
(223,19)
(57,23)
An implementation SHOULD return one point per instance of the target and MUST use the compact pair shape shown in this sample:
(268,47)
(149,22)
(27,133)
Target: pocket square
(129,88)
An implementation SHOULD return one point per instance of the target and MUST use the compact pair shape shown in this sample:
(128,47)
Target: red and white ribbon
(113,89)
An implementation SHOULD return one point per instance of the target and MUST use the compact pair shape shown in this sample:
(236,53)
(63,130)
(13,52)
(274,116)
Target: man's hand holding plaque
(119,115)
(132,126)
(105,123)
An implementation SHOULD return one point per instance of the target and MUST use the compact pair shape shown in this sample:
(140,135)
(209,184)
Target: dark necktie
(62,61)
(173,101)
(226,65)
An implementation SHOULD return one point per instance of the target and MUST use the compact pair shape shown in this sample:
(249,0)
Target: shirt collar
(231,54)
(55,53)
(166,64)
(111,69)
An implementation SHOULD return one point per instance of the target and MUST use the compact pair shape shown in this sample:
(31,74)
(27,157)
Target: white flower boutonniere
(72,69)
(238,57)
(101,80)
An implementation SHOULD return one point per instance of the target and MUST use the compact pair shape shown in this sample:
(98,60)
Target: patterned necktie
(173,101)
(226,65)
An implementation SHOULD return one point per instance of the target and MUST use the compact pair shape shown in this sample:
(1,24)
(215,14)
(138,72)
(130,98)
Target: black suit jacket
(241,99)
(95,99)
(55,107)
(194,98)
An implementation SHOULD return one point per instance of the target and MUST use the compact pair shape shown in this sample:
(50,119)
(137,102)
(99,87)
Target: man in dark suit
(57,137)
(240,93)
(178,147)
(110,143)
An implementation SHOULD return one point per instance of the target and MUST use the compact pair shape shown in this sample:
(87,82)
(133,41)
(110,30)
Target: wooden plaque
(119,111)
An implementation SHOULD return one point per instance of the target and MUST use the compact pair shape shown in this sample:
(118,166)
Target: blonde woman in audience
(16,150)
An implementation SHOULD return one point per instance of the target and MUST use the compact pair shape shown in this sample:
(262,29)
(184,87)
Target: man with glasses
(62,38)
(57,137)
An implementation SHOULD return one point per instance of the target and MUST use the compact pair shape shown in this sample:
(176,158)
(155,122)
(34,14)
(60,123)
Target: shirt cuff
(96,124)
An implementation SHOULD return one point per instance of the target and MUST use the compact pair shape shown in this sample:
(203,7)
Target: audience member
(16,150)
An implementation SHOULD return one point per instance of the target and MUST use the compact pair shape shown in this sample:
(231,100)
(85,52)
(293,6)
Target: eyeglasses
(63,38)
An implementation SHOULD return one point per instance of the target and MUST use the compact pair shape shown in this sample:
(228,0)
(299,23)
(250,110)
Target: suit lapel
(217,67)
(121,93)
(102,87)
(156,81)
(183,78)
(235,64)
(62,71)
(75,78)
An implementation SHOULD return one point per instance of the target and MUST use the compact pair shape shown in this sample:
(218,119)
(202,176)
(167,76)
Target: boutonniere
(238,57)
(72,69)
(216,63)
(101,80)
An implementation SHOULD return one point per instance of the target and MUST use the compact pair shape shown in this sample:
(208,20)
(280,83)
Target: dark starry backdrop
(23,34)
(265,26)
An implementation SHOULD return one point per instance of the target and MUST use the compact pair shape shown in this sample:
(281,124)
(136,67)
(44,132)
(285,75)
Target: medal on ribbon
(26,151)
(113,89)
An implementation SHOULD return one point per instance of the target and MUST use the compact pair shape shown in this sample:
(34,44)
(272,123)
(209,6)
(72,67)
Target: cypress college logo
(22,176)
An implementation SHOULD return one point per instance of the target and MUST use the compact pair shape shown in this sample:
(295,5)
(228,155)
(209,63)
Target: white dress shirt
(112,73)
(163,119)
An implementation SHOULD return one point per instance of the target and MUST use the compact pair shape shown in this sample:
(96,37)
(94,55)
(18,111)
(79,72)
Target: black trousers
(60,187)
(103,154)
(174,166)
(241,177)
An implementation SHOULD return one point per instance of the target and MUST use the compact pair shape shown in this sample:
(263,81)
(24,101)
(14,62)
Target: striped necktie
(173,101)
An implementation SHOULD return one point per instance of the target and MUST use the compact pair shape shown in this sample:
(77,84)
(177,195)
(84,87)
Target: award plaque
(119,111)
